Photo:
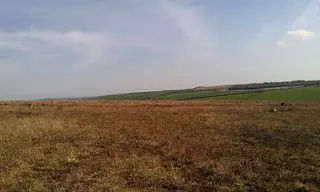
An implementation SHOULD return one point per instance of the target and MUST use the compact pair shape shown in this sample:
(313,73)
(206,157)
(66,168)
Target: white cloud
(308,17)
(67,63)
(64,38)
(302,34)
(200,45)
(282,44)
(50,57)
(89,46)
(190,22)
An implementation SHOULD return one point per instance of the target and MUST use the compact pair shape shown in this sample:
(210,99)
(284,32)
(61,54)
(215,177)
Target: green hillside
(138,96)
(310,93)
(161,95)
(298,94)
(188,95)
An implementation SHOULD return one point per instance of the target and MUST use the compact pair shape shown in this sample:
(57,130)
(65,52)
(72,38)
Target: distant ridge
(202,92)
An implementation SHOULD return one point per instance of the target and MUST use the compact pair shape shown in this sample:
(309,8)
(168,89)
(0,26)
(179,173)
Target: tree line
(297,83)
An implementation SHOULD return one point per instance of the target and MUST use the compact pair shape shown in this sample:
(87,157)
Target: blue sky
(96,47)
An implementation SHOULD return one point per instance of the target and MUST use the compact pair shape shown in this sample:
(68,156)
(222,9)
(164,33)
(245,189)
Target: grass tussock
(159,146)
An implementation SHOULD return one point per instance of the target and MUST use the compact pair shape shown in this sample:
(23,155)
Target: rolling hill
(292,90)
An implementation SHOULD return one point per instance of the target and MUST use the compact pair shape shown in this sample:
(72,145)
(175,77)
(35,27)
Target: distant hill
(298,83)
(63,98)
(227,92)
(161,95)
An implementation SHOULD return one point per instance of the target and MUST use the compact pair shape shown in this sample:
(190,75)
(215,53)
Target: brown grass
(159,146)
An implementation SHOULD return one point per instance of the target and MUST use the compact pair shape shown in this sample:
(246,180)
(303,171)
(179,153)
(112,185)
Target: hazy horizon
(52,49)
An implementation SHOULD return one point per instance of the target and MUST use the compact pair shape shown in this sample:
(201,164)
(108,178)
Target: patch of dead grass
(158,146)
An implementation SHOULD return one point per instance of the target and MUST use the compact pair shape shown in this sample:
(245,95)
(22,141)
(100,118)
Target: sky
(80,48)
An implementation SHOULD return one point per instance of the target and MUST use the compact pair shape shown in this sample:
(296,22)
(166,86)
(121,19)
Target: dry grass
(159,146)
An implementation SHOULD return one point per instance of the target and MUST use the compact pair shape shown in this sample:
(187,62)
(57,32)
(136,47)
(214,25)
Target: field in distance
(159,146)
(184,94)
(287,91)
(296,94)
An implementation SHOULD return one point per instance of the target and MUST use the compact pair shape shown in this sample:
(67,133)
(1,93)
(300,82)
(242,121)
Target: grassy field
(188,95)
(159,146)
(161,95)
(298,94)
(136,96)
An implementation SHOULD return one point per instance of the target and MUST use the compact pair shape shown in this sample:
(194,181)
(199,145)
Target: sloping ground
(135,96)
(289,94)
(298,94)
(161,95)
(159,146)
